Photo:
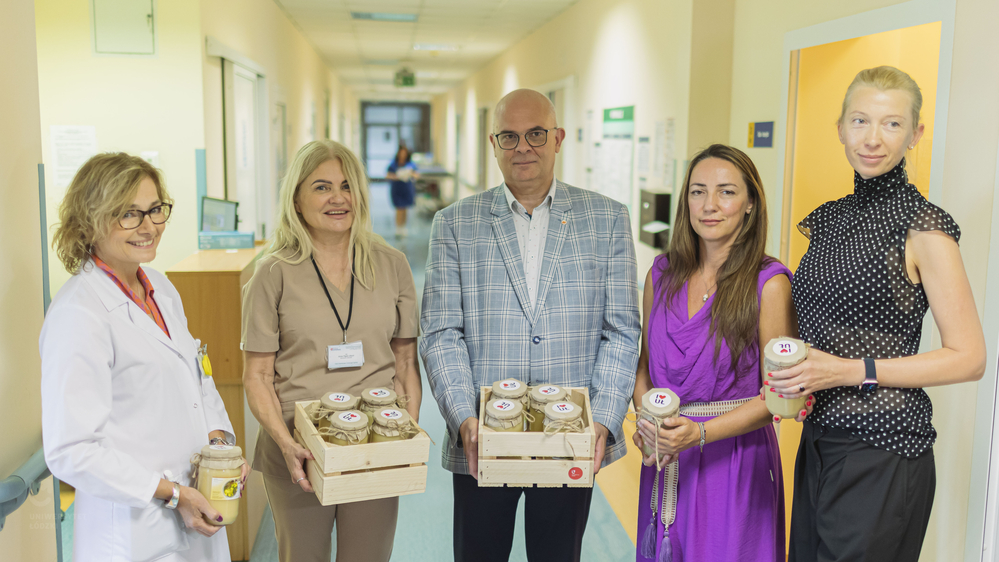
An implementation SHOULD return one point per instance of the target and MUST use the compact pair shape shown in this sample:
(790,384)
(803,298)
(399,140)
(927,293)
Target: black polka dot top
(854,300)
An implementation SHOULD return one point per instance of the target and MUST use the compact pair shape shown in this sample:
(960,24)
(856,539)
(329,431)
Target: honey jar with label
(217,471)
(511,389)
(657,405)
(392,424)
(374,399)
(504,415)
(780,354)
(349,427)
(541,396)
(333,403)
(563,417)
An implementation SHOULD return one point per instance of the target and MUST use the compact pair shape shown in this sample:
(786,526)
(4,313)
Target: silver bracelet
(219,441)
(175,498)
(701,426)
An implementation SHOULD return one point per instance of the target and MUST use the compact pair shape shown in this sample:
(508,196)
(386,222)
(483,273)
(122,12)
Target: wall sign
(761,135)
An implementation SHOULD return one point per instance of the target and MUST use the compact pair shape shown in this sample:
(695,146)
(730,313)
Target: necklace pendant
(704,298)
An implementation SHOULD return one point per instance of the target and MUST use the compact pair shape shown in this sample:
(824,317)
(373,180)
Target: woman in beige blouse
(290,319)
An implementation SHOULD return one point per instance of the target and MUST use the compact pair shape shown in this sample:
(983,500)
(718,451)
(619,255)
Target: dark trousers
(855,502)
(554,521)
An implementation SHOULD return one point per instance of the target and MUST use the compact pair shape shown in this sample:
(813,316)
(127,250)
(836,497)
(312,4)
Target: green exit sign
(405,78)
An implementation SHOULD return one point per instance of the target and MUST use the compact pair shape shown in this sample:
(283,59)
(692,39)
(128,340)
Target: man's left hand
(598,454)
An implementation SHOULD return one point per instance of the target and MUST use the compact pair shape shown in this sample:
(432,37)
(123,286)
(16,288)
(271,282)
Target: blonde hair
(886,78)
(100,192)
(292,242)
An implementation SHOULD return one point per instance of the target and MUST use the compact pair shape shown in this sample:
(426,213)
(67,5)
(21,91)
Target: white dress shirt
(532,231)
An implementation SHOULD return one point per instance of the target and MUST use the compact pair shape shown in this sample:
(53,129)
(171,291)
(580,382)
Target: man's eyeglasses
(132,218)
(535,138)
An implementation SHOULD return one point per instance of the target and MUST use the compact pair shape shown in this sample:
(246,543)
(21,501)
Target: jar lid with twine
(547,393)
(783,353)
(504,413)
(378,396)
(660,403)
(509,388)
(392,422)
(350,426)
(339,401)
(220,457)
(563,417)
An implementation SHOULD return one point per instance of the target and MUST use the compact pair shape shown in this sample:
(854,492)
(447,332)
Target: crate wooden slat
(362,472)
(532,458)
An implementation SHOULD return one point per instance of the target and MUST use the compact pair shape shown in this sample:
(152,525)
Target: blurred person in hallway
(536,280)
(402,172)
(877,259)
(323,265)
(710,300)
(126,400)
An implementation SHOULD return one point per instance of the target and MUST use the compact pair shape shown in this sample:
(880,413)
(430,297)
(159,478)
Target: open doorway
(815,168)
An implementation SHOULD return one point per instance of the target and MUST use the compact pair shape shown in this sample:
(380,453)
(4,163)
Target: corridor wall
(29,533)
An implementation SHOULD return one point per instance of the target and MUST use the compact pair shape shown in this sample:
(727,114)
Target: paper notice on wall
(669,154)
(659,150)
(643,156)
(72,146)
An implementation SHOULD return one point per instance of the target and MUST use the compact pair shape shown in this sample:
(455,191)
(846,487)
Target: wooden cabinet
(210,284)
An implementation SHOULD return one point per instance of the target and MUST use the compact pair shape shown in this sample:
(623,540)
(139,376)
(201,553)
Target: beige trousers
(364,530)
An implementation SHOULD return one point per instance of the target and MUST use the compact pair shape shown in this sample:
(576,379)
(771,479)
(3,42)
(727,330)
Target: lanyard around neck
(350,310)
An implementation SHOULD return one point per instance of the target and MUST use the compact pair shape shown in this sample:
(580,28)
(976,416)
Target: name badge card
(345,355)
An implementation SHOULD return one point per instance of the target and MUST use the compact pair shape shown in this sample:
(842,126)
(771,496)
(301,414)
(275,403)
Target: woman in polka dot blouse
(877,259)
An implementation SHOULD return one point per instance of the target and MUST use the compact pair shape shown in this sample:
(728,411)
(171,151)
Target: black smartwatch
(870,383)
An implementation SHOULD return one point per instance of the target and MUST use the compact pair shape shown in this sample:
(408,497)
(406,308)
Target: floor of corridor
(424,529)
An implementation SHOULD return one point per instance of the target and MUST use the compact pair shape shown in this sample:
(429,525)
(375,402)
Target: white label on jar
(339,397)
(503,405)
(379,393)
(785,347)
(661,399)
(391,414)
(349,416)
(510,385)
(225,489)
(548,390)
(563,407)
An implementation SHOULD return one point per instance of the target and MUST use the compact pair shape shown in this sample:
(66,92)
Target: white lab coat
(123,405)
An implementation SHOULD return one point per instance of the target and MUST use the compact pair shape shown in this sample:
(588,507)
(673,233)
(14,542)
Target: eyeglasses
(132,218)
(535,138)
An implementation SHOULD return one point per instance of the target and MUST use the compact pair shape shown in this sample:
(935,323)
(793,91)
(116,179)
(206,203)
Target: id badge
(204,364)
(345,355)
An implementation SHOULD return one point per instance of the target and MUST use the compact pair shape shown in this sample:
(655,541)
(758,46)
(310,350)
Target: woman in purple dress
(709,302)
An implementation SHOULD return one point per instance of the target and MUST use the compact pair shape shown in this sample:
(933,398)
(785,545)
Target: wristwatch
(175,498)
(870,383)
(218,441)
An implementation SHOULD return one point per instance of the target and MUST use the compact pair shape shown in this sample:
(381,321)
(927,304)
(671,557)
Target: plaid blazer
(478,326)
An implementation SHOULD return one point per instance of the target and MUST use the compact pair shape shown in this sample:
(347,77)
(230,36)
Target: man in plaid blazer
(534,280)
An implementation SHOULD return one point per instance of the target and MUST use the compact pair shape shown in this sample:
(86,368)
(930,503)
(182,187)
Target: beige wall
(296,77)
(137,104)
(29,533)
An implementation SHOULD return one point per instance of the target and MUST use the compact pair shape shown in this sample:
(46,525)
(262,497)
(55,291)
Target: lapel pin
(563,222)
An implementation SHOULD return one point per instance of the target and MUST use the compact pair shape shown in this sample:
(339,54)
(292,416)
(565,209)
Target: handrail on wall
(27,479)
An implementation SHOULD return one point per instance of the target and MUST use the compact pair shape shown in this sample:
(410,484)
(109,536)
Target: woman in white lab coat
(125,401)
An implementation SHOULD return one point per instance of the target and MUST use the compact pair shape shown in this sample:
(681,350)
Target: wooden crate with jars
(361,455)
(551,446)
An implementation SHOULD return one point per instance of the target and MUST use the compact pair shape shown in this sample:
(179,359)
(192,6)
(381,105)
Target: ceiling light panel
(384,17)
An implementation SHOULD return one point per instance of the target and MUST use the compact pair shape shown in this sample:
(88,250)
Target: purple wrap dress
(730,498)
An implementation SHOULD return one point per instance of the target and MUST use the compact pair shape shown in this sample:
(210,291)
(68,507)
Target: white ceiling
(367,54)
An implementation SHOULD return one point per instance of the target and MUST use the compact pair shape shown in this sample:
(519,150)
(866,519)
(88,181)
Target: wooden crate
(362,472)
(533,458)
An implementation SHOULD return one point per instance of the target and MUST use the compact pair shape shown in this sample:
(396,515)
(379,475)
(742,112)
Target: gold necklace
(707,291)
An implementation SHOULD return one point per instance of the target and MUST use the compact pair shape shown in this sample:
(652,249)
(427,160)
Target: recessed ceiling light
(434,47)
(382,62)
(383,16)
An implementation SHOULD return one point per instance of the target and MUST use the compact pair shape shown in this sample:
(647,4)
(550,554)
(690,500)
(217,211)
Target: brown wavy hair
(100,192)
(735,315)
